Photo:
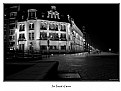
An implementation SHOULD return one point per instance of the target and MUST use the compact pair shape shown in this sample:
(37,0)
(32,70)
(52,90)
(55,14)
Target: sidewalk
(44,70)
(103,54)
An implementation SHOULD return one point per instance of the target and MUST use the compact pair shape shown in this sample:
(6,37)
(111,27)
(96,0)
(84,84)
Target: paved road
(94,67)
(90,67)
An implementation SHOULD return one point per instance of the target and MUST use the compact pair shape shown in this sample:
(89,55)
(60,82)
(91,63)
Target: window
(63,36)
(21,37)
(31,26)
(21,27)
(32,14)
(69,37)
(53,48)
(31,36)
(11,32)
(43,26)
(63,47)
(13,14)
(56,27)
(43,47)
(51,26)
(21,46)
(56,37)
(43,35)
(63,28)
(12,21)
(12,26)
(11,43)
(10,37)
(53,36)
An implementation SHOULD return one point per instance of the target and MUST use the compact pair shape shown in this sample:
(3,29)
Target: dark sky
(101,21)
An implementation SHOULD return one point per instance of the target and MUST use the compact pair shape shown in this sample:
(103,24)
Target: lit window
(63,47)
(21,27)
(43,26)
(31,26)
(21,46)
(51,26)
(63,36)
(32,14)
(53,48)
(43,35)
(53,36)
(56,27)
(31,36)
(63,28)
(21,36)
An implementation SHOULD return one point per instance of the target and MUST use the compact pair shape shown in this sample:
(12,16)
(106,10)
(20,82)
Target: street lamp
(109,49)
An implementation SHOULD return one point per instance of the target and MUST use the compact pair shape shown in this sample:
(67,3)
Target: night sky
(101,21)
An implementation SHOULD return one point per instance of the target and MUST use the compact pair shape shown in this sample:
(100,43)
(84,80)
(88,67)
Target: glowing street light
(109,49)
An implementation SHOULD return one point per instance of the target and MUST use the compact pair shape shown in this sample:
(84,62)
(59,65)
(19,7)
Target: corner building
(47,35)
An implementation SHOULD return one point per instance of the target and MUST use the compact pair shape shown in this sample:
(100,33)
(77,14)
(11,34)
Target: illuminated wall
(42,35)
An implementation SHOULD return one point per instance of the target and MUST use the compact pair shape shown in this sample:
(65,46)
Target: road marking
(79,65)
(76,65)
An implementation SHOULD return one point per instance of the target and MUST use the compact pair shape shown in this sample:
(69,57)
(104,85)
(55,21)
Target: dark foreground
(77,68)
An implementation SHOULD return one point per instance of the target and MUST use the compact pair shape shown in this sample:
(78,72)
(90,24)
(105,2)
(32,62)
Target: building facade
(10,23)
(45,35)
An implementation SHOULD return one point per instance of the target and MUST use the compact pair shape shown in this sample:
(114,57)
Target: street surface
(91,67)
(85,67)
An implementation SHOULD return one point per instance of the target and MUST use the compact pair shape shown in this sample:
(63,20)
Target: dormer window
(32,14)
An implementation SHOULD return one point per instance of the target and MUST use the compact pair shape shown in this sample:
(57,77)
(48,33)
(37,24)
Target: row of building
(33,34)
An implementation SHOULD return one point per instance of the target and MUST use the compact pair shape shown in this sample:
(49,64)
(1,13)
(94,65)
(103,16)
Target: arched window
(63,28)
(51,26)
(43,25)
(43,35)
(63,36)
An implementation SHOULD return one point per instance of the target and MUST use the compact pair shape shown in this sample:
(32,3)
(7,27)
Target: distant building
(10,23)
(47,35)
